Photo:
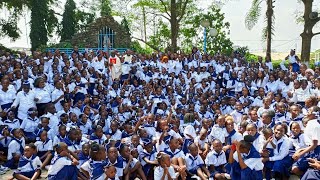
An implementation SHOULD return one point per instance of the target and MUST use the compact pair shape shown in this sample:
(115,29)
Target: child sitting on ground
(195,164)
(164,170)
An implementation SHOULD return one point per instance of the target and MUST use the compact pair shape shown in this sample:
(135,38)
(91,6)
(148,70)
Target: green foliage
(105,8)
(192,27)
(251,57)
(253,15)
(242,50)
(38,33)
(125,25)
(161,38)
(83,19)
(135,46)
(68,21)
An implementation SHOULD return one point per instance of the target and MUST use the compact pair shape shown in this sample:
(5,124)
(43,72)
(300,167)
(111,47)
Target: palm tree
(252,18)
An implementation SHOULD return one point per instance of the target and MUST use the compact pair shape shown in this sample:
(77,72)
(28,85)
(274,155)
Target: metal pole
(204,40)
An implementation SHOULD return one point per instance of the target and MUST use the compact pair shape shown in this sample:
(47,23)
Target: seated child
(15,150)
(98,136)
(202,142)
(114,159)
(44,148)
(164,170)
(29,164)
(84,154)
(132,167)
(216,160)
(5,139)
(148,157)
(111,173)
(62,136)
(94,167)
(195,164)
(245,160)
(63,165)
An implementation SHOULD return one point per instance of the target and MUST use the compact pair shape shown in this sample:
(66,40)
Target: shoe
(3,168)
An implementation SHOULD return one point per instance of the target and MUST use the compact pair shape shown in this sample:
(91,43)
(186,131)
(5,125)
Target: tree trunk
(174,25)
(144,23)
(269,14)
(307,33)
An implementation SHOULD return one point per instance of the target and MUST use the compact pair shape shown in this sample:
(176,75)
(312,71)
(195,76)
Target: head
(251,129)
(163,159)
(29,150)
(110,172)
(85,149)
(112,154)
(97,152)
(246,144)
(279,131)
(295,128)
(267,132)
(217,145)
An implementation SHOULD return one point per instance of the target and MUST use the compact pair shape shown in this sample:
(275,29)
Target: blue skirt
(217,170)
(66,173)
(283,166)
(295,67)
(303,163)
(26,174)
(311,174)
(244,174)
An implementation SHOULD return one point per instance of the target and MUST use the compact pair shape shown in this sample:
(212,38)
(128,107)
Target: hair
(32,146)
(95,150)
(267,131)
(246,142)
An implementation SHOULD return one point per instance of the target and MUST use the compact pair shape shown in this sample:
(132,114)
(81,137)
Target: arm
(303,151)
(241,162)
(284,151)
(126,169)
(155,162)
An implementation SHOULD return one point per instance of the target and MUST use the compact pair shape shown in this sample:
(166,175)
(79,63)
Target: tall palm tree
(252,18)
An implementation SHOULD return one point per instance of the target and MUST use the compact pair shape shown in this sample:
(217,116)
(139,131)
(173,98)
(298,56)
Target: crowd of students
(94,115)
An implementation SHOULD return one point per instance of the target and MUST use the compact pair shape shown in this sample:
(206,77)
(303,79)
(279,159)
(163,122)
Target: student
(94,167)
(233,135)
(11,121)
(30,124)
(176,155)
(44,148)
(5,139)
(202,142)
(148,157)
(219,130)
(258,142)
(132,167)
(195,164)
(312,139)
(62,136)
(216,160)
(245,160)
(113,158)
(114,133)
(280,161)
(98,136)
(165,170)
(111,173)
(72,141)
(15,150)
(29,164)
(84,154)
(44,126)
(281,114)
(63,164)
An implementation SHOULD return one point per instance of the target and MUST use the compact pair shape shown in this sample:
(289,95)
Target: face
(294,110)
(125,152)
(85,149)
(251,130)
(278,131)
(193,151)
(217,146)
(28,152)
(112,153)
(229,125)
(62,131)
(253,115)
(111,172)
(295,128)
(43,136)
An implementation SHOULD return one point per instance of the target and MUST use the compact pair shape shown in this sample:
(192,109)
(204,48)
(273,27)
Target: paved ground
(8,175)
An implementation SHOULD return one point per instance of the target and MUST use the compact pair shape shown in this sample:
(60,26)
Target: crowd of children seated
(164,116)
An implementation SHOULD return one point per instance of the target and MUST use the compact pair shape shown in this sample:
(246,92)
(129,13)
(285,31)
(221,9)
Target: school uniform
(82,159)
(150,156)
(14,124)
(43,147)
(95,169)
(85,127)
(118,164)
(158,173)
(233,136)
(193,163)
(218,132)
(58,139)
(28,166)
(281,161)
(281,117)
(189,130)
(16,146)
(7,98)
(258,142)
(237,116)
(253,171)
(311,132)
(55,95)
(44,97)
(311,174)
(61,168)
(116,136)
(200,142)
(217,160)
(25,102)
(98,140)
(29,125)
(176,154)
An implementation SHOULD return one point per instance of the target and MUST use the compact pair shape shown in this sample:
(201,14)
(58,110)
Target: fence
(70,50)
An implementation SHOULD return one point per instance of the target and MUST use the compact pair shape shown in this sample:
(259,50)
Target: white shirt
(312,132)
(280,152)
(25,102)
(253,163)
(43,95)
(87,167)
(36,163)
(44,146)
(58,164)
(55,95)
(14,147)
(30,125)
(158,173)
(219,133)
(193,162)
(216,159)
(7,97)
(14,124)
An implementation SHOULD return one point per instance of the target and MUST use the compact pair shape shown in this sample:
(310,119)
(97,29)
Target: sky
(287,31)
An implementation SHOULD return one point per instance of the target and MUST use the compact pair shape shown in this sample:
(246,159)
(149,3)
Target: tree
(105,8)
(125,25)
(310,20)
(43,22)
(9,25)
(252,18)
(68,21)
(192,28)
